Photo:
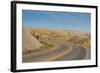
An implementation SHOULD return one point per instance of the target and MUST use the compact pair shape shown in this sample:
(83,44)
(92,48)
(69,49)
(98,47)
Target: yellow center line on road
(57,56)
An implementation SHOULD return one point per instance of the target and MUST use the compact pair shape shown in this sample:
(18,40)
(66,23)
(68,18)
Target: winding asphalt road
(58,53)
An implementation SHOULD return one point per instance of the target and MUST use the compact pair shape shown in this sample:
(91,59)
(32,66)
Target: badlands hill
(62,37)
(35,39)
(29,42)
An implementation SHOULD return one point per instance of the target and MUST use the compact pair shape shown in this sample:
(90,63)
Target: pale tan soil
(29,42)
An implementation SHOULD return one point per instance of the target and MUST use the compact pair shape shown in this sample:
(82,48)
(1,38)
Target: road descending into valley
(59,53)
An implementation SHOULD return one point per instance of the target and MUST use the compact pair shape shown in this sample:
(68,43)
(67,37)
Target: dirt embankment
(29,42)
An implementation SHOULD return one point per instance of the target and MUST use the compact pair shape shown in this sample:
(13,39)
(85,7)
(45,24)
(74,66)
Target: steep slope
(29,42)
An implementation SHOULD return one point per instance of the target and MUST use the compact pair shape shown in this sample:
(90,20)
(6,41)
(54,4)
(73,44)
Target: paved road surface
(59,53)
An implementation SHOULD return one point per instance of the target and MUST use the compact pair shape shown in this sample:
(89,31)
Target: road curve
(57,54)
